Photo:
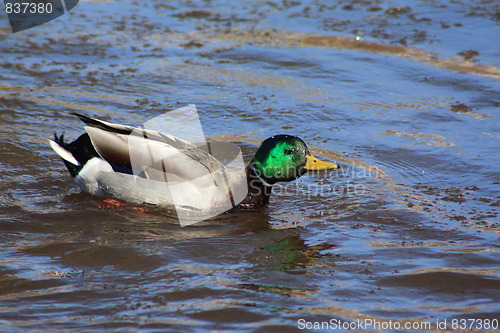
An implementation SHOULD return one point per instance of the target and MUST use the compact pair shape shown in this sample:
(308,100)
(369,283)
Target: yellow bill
(313,163)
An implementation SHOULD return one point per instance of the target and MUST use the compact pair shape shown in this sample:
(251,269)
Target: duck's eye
(288,151)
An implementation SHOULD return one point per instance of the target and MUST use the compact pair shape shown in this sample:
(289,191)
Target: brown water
(406,232)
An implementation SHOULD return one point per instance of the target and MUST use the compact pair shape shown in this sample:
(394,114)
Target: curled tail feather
(74,154)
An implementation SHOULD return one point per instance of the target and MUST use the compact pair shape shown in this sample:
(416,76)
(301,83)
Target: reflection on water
(403,98)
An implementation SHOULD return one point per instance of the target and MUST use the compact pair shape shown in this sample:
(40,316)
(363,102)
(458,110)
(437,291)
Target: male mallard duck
(144,166)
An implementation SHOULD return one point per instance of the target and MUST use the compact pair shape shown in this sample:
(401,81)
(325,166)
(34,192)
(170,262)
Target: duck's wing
(148,153)
(130,130)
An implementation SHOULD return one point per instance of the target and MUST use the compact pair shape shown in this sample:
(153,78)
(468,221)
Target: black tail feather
(82,149)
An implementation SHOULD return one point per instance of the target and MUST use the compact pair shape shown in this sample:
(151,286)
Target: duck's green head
(285,158)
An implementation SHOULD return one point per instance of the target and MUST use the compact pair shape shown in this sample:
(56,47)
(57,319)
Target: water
(405,232)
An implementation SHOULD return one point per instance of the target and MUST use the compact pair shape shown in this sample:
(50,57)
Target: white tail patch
(65,155)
